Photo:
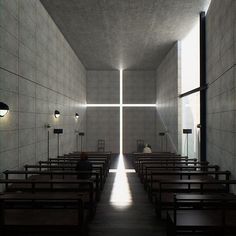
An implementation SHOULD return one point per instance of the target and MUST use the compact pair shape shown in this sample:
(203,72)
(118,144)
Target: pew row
(164,199)
(211,214)
(42,212)
(38,175)
(153,187)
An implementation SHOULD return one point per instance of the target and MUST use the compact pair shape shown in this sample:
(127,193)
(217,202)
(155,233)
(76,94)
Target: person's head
(149,146)
(83,156)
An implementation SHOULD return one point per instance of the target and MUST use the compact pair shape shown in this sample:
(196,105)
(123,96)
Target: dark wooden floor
(138,219)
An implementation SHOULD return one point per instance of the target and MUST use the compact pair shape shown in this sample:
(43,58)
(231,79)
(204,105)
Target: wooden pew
(164,199)
(149,169)
(209,214)
(98,168)
(42,212)
(107,155)
(135,156)
(92,153)
(56,175)
(153,186)
(163,160)
(167,164)
(153,154)
(54,186)
(74,161)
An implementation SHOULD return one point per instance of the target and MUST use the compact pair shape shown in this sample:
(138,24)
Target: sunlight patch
(121,196)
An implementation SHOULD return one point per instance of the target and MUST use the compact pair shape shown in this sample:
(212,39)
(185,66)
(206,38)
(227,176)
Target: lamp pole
(81,134)
(48,126)
(162,134)
(58,132)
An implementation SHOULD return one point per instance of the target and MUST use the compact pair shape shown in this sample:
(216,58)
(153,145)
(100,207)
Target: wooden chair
(101,145)
(140,145)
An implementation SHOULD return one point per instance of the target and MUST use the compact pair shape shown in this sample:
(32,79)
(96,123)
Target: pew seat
(40,212)
(213,214)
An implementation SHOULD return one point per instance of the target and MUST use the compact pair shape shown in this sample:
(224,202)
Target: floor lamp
(162,134)
(77,140)
(58,132)
(187,132)
(48,126)
(81,134)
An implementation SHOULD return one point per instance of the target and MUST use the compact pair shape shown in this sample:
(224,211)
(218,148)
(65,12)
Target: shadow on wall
(165,142)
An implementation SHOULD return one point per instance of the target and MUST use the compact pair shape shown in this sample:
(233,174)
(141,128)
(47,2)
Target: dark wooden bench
(73,162)
(54,186)
(98,168)
(153,186)
(209,214)
(149,169)
(168,165)
(76,159)
(162,160)
(106,155)
(37,175)
(42,212)
(164,199)
(153,154)
(143,164)
(136,156)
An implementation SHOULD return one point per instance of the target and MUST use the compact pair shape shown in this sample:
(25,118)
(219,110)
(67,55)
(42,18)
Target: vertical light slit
(121,112)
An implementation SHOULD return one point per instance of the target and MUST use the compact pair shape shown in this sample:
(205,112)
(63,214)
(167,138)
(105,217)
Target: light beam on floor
(121,197)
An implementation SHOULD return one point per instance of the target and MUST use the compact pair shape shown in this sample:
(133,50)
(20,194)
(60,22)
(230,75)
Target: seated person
(84,165)
(147,149)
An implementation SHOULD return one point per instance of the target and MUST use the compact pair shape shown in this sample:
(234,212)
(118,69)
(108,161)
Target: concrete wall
(39,73)
(139,123)
(103,123)
(221,78)
(139,87)
(103,87)
(167,84)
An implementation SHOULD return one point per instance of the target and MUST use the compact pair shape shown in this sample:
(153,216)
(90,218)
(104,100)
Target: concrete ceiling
(128,34)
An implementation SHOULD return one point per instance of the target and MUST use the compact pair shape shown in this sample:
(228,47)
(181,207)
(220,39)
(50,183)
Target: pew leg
(170,227)
(2,231)
(158,208)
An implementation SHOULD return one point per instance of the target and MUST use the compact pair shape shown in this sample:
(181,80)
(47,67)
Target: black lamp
(76,115)
(56,113)
(4,108)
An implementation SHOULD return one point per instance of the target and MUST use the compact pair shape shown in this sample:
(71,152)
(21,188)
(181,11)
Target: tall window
(190,79)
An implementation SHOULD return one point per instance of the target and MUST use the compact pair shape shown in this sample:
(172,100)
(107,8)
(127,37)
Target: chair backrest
(101,145)
(140,145)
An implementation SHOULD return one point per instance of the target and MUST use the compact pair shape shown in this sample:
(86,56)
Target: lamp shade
(4,108)
(57,114)
(76,115)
